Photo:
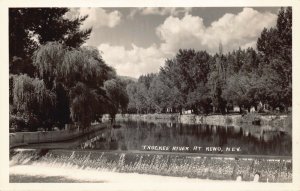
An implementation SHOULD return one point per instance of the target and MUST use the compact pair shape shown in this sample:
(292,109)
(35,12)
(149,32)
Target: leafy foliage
(82,85)
(117,95)
(56,62)
(83,102)
(28,97)
(275,47)
(31,27)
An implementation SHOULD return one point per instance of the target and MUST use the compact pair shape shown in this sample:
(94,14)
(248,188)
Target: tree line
(208,83)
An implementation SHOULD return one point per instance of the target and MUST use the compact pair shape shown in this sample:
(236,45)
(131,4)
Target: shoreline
(279,122)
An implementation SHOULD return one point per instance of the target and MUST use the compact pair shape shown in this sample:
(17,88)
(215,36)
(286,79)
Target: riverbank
(277,122)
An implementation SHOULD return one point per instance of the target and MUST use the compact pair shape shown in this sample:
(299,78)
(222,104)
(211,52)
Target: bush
(228,120)
(17,123)
(250,118)
(33,123)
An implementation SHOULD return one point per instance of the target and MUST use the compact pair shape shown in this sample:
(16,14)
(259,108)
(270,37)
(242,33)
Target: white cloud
(97,17)
(132,62)
(180,33)
(174,11)
(231,30)
(249,44)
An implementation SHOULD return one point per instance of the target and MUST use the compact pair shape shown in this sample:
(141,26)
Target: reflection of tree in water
(269,141)
(222,134)
(252,140)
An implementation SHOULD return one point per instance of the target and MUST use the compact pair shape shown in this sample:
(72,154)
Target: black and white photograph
(150,98)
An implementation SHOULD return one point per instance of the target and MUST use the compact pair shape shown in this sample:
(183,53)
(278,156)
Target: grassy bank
(277,122)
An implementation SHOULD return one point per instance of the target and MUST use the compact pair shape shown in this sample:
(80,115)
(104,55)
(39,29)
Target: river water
(177,137)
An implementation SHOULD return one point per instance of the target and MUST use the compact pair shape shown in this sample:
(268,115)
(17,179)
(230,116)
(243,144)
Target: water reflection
(133,135)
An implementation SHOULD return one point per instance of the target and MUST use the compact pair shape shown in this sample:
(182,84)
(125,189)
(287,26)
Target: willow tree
(57,63)
(28,97)
(117,96)
(48,62)
(80,74)
(83,103)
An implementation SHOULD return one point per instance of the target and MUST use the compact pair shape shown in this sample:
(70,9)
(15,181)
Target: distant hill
(128,78)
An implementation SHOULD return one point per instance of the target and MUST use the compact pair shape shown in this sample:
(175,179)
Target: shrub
(17,123)
(228,120)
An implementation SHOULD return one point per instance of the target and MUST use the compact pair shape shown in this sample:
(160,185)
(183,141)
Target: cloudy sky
(137,41)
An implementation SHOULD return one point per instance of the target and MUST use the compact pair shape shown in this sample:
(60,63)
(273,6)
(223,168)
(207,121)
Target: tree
(251,61)
(28,97)
(31,27)
(56,62)
(83,102)
(146,79)
(168,75)
(199,100)
(171,88)
(216,82)
(77,75)
(159,95)
(275,47)
(117,96)
(185,72)
(242,90)
(131,92)
(61,111)
(138,97)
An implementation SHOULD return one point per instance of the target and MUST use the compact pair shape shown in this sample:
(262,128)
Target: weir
(215,167)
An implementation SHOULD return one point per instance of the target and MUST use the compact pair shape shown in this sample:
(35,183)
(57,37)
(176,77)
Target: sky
(137,41)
